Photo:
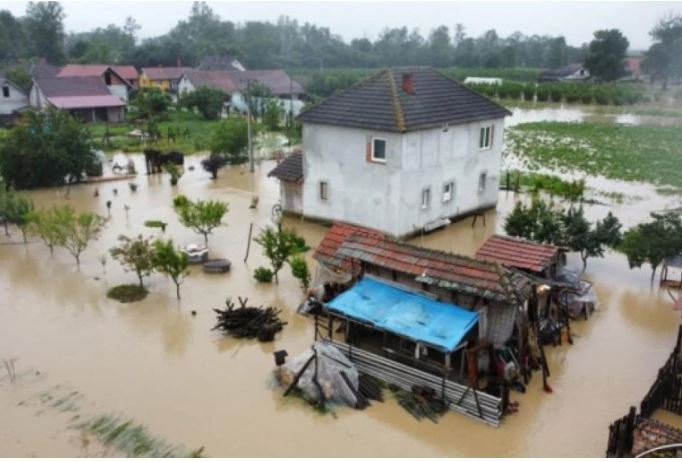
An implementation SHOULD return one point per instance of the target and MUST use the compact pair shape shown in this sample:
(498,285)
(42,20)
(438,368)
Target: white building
(12,98)
(406,150)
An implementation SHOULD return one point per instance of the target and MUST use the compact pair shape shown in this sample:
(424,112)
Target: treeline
(284,44)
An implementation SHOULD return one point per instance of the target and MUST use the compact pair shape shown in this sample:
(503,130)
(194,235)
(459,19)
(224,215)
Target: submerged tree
(229,139)
(171,261)
(135,255)
(652,242)
(200,216)
(279,245)
(77,230)
(46,224)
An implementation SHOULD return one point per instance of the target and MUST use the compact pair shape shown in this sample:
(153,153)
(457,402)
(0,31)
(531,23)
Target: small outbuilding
(289,172)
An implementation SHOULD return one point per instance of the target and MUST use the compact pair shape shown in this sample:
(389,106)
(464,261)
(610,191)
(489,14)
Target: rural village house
(405,150)
(163,78)
(284,90)
(574,72)
(119,79)
(87,98)
(12,100)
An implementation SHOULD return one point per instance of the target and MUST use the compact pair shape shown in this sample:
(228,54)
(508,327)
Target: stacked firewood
(249,321)
(420,402)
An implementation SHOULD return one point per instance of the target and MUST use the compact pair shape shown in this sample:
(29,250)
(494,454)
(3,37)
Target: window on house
(426,198)
(448,191)
(482,182)
(324,190)
(5,91)
(485,140)
(378,150)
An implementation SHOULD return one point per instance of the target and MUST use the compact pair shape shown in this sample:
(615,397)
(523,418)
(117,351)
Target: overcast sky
(575,20)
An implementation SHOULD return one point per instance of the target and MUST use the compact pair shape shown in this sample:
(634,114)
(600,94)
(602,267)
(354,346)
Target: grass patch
(631,153)
(132,439)
(535,182)
(127,293)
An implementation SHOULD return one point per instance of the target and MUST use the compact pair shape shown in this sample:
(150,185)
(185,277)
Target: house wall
(36,98)
(115,114)
(238,102)
(119,90)
(292,196)
(387,196)
(185,85)
(16,99)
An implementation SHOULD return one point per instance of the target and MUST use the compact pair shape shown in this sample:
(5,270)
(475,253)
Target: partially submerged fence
(460,398)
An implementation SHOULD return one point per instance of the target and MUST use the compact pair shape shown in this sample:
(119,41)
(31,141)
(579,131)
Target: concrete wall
(388,196)
(36,98)
(119,90)
(292,196)
(17,99)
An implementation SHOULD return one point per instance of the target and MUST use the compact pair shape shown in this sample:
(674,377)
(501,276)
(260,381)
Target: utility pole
(250,135)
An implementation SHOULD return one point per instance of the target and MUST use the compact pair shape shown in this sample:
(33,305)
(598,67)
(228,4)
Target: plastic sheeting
(585,300)
(322,381)
(407,314)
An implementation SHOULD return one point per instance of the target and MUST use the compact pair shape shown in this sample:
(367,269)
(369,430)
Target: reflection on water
(562,113)
(157,364)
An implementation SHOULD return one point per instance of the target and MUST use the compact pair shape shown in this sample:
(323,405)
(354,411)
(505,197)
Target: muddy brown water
(155,363)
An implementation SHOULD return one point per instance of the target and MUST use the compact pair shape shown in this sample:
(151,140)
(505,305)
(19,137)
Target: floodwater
(155,363)
(577,113)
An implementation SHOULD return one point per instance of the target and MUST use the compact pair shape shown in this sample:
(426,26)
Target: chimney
(408,83)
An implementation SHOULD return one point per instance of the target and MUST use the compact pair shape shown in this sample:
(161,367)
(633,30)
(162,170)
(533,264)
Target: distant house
(633,66)
(483,80)
(87,98)
(286,91)
(12,98)
(221,63)
(402,150)
(119,79)
(572,72)
(164,78)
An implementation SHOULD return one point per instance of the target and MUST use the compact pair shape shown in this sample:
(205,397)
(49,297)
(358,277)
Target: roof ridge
(397,106)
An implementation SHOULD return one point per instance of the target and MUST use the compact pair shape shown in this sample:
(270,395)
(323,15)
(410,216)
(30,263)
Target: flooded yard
(156,364)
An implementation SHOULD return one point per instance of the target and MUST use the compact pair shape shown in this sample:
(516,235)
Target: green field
(633,153)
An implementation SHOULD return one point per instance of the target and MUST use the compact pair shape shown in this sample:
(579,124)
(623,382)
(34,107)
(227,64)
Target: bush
(299,269)
(529,92)
(542,93)
(127,293)
(262,274)
(556,93)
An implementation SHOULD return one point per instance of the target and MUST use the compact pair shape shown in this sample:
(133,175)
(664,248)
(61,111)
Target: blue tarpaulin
(407,314)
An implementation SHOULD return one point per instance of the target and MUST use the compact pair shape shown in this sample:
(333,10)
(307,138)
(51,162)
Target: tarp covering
(441,325)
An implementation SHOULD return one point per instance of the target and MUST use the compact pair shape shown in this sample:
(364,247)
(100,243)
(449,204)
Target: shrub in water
(542,93)
(262,274)
(127,293)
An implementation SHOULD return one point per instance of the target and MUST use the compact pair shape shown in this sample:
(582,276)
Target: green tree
(653,241)
(208,101)
(78,229)
(279,245)
(19,76)
(272,114)
(151,102)
(16,209)
(300,270)
(171,261)
(12,38)
(606,55)
(663,60)
(44,23)
(135,255)
(200,216)
(48,149)
(587,239)
(230,138)
(45,224)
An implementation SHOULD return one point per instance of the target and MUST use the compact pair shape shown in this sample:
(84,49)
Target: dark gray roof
(290,169)
(73,86)
(380,103)
(565,71)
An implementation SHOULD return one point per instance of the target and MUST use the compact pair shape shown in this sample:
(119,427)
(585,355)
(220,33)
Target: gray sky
(575,20)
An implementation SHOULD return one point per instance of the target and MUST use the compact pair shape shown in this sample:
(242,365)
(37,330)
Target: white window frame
(482,185)
(323,190)
(448,196)
(378,159)
(485,138)
(426,198)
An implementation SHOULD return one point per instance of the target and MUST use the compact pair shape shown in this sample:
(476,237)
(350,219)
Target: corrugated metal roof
(85,102)
(290,168)
(327,250)
(381,103)
(434,267)
(407,314)
(518,253)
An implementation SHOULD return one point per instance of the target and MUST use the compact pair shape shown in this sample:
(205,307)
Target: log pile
(421,402)
(371,388)
(249,321)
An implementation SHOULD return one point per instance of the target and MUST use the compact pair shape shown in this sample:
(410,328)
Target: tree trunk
(177,290)
(139,277)
(6,228)
(205,239)
(584,259)
(214,174)
(653,273)
(78,260)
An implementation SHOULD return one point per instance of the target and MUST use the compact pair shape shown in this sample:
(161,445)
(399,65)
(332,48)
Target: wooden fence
(666,391)
(460,398)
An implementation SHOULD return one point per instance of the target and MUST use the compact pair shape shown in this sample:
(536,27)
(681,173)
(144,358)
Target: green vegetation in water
(551,184)
(623,152)
(132,439)
(127,293)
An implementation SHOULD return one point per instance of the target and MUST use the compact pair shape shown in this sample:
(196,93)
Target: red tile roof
(433,267)
(327,250)
(518,253)
(165,73)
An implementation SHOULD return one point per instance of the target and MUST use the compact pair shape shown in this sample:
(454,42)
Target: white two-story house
(405,150)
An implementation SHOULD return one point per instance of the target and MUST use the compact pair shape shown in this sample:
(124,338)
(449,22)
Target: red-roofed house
(539,259)
(88,98)
(163,78)
(116,78)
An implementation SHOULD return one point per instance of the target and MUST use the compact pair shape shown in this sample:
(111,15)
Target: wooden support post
(248,243)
